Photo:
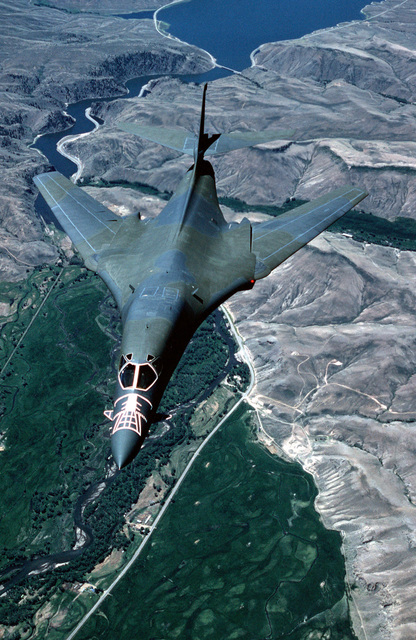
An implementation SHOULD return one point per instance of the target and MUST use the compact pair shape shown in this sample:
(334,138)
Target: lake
(231,30)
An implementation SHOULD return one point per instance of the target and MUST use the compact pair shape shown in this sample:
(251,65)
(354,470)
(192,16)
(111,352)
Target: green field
(59,342)
(240,554)
(56,439)
(364,227)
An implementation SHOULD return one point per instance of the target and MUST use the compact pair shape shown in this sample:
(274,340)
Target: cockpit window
(147,376)
(127,376)
(124,359)
(136,376)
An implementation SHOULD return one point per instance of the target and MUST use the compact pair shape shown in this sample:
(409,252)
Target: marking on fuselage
(130,395)
(129,416)
(167,293)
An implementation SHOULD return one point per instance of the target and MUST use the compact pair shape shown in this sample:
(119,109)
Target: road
(23,336)
(245,355)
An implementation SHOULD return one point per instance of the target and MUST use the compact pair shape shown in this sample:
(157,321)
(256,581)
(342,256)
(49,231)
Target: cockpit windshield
(137,376)
(147,376)
(127,375)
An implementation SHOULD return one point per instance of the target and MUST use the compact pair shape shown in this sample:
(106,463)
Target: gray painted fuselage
(195,260)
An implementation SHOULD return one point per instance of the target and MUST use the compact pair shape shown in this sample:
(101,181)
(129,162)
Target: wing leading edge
(89,224)
(275,240)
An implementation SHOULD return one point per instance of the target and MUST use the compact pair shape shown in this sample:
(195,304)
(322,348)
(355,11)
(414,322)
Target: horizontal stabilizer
(177,139)
(240,139)
(185,142)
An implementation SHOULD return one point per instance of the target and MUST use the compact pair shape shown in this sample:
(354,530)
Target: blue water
(231,29)
(140,15)
(47,143)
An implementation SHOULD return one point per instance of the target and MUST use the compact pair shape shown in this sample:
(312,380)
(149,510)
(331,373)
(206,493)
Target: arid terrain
(334,347)
(332,332)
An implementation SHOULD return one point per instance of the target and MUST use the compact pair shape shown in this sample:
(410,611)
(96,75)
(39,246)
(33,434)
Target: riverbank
(68,139)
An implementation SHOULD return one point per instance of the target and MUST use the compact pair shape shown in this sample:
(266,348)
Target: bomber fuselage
(199,261)
(169,273)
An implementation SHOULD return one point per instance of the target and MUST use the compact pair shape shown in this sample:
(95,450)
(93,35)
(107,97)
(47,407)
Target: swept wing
(89,224)
(275,240)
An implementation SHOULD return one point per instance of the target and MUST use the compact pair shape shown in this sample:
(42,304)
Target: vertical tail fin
(199,150)
(204,140)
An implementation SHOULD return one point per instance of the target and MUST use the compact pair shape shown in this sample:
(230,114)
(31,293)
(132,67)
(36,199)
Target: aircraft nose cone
(125,445)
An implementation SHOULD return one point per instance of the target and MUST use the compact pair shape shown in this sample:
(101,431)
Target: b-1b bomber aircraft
(169,273)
